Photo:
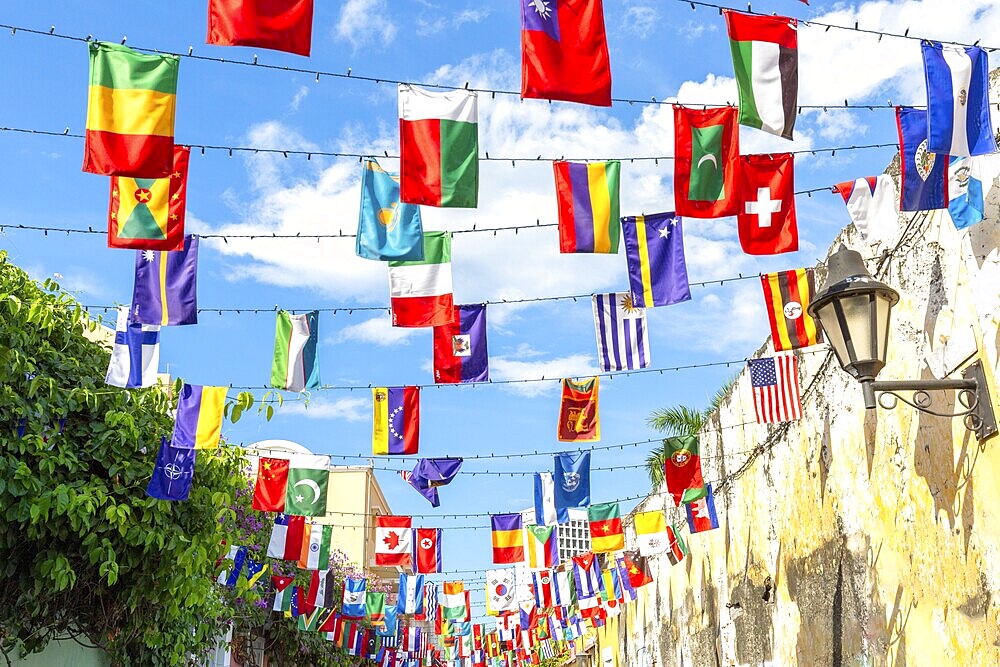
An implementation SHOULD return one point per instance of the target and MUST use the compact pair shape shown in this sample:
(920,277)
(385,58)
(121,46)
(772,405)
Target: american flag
(775,383)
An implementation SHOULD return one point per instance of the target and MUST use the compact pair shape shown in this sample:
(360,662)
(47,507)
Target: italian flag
(421,291)
(766,60)
(439,147)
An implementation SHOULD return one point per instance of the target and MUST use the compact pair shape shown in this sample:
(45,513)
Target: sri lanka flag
(130,112)
(198,424)
(588,206)
(460,353)
(439,147)
(564,51)
(396,420)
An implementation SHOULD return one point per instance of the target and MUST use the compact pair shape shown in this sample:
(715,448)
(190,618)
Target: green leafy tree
(84,552)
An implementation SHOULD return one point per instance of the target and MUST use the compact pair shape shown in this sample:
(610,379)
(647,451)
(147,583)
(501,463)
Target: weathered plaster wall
(851,537)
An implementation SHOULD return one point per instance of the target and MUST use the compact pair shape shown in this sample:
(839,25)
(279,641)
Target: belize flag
(460,353)
(923,174)
(958,102)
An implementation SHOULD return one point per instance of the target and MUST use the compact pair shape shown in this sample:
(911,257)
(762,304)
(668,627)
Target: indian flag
(130,112)
(766,60)
(315,553)
(421,291)
(439,147)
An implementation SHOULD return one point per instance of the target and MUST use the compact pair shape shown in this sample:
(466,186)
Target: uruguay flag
(958,103)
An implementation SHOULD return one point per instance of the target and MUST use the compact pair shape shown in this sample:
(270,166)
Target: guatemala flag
(958,103)
(387,228)
(965,192)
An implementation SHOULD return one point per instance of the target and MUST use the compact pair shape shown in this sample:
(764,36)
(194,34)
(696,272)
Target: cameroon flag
(606,532)
(130,114)
(148,213)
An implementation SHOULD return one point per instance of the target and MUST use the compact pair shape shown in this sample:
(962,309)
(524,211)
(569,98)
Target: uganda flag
(148,213)
(130,112)
(787,295)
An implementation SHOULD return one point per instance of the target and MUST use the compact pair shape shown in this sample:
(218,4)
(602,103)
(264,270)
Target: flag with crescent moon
(308,478)
(706,162)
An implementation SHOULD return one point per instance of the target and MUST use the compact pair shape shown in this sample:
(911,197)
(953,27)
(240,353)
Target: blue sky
(658,49)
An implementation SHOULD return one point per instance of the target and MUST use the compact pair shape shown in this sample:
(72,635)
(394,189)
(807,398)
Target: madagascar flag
(588,206)
(606,532)
(787,296)
(130,114)
(508,538)
(706,163)
(682,468)
(148,213)
(396,420)
(439,147)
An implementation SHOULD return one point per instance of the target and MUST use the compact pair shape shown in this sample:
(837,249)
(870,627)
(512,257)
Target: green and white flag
(308,479)
(316,541)
(296,362)
(766,59)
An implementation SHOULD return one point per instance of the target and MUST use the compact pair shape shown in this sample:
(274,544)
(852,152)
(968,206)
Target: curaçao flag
(958,101)
(396,420)
(198,424)
(766,60)
(387,228)
(654,252)
(148,213)
(588,196)
(460,353)
(421,291)
(439,147)
(130,112)
(165,291)
(296,362)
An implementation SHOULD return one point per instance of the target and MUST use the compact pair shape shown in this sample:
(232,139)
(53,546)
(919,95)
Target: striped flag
(787,295)
(775,383)
(622,334)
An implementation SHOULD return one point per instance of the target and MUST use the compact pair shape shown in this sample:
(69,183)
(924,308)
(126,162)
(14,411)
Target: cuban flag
(135,355)
(958,103)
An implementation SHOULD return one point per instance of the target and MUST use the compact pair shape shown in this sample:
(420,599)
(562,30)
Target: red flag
(706,162)
(638,569)
(428,548)
(282,25)
(148,214)
(579,420)
(767,213)
(393,541)
(269,491)
(564,52)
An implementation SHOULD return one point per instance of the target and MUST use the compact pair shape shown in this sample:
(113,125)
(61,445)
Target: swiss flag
(428,550)
(766,215)
(393,540)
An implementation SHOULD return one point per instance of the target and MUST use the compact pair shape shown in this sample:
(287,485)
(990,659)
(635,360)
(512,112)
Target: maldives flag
(439,147)
(564,51)
(269,491)
(706,162)
(682,468)
(428,549)
(460,347)
(767,209)
(421,291)
(392,541)
(282,25)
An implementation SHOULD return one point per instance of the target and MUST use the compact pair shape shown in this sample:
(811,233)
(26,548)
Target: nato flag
(172,473)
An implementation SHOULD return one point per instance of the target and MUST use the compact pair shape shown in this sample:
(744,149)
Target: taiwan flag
(564,51)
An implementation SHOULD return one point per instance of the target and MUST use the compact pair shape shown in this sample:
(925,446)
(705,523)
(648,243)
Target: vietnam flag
(282,25)
(564,52)
(706,164)
(130,112)
(439,147)
(269,491)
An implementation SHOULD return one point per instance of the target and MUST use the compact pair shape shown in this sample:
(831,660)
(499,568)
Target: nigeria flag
(766,61)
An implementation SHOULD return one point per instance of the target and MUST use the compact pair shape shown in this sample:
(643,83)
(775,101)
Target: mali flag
(606,532)
(130,113)
(588,206)
(148,213)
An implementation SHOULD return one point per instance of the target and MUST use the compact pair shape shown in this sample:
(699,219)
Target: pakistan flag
(308,480)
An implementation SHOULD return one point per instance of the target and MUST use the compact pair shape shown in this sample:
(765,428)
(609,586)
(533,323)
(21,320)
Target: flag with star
(701,514)
(638,569)
(165,291)
(148,213)
(606,534)
(173,472)
(654,250)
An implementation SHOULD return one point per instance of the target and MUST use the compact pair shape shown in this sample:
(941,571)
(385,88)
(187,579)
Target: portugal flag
(682,468)
(148,213)
(706,162)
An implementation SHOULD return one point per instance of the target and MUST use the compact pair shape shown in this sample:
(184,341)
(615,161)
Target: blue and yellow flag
(654,248)
(388,230)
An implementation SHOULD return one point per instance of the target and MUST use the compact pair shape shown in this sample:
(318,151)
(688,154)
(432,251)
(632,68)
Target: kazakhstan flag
(387,228)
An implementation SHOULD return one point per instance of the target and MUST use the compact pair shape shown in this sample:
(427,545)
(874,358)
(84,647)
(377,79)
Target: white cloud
(344,409)
(427,27)
(378,331)
(364,22)
(515,368)
(300,95)
(640,20)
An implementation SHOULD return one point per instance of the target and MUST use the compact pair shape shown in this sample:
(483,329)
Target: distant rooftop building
(574,536)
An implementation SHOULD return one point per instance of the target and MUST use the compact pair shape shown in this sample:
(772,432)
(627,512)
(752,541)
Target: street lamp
(855,310)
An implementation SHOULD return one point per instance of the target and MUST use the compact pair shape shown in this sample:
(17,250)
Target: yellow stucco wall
(872,534)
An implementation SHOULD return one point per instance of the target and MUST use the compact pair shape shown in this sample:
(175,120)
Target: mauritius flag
(460,347)
(439,147)
(421,291)
(396,420)
(588,206)
(130,112)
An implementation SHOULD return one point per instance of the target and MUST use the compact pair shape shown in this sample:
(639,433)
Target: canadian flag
(766,215)
(393,541)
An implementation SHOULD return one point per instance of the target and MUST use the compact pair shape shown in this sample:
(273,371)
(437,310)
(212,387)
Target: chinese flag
(564,52)
(282,25)
(269,492)
(766,215)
